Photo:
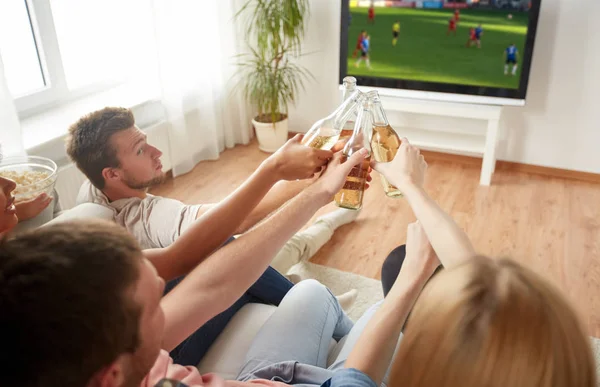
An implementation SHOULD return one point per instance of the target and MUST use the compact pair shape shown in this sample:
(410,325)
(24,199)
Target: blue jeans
(293,345)
(270,288)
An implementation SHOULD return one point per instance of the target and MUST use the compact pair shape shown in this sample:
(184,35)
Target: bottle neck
(379,117)
(346,109)
(360,135)
(348,90)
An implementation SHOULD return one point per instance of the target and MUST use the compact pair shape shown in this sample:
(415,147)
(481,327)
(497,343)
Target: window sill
(44,133)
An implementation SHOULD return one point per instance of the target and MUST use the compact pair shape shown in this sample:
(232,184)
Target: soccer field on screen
(424,52)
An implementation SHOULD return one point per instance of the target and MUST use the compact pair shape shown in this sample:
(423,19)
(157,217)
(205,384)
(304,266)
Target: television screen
(469,47)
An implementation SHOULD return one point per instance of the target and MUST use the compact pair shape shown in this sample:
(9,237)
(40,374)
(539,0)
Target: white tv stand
(483,143)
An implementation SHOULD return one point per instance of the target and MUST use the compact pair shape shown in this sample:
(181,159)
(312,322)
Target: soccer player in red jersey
(472,37)
(359,41)
(371,19)
(451,26)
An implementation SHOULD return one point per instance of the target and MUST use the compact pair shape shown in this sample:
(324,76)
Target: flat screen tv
(475,51)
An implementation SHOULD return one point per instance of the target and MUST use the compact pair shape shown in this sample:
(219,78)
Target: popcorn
(29,183)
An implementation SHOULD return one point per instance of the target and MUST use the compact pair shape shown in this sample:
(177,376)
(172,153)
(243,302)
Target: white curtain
(11,141)
(197,42)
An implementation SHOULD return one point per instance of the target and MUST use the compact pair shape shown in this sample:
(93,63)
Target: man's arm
(280,194)
(376,345)
(407,172)
(221,279)
(213,228)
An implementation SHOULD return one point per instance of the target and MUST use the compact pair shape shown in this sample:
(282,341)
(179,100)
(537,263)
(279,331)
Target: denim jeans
(293,345)
(270,288)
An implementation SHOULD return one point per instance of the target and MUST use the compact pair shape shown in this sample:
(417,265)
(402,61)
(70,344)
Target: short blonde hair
(493,323)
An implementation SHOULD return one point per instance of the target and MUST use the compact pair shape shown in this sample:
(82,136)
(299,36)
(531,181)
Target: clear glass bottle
(326,132)
(351,194)
(384,140)
(349,87)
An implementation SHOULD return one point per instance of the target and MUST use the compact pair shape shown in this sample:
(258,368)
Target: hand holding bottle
(334,176)
(407,169)
(295,161)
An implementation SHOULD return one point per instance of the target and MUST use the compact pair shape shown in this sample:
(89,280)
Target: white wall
(559,127)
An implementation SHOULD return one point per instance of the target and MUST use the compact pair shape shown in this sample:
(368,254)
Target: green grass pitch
(425,53)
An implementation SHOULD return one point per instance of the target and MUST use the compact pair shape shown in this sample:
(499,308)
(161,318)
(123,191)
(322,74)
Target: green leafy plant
(274,30)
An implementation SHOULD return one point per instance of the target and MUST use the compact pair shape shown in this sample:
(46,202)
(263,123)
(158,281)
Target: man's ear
(110,376)
(111,174)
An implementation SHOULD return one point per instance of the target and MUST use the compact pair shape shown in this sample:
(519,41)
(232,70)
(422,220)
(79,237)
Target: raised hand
(333,177)
(407,168)
(295,161)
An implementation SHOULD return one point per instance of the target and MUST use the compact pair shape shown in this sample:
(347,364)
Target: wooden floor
(549,224)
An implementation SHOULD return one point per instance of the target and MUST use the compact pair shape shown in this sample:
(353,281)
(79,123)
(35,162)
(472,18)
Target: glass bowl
(34,175)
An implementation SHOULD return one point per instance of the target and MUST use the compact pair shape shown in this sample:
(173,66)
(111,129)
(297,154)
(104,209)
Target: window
(55,51)
(22,67)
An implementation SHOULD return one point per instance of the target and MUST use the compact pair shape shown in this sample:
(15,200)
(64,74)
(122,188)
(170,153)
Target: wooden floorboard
(551,225)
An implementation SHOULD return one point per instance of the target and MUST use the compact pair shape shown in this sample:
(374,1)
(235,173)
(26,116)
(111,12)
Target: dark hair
(66,303)
(88,143)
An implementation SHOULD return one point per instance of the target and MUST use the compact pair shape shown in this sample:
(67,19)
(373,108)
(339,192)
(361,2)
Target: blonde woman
(478,323)
(493,323)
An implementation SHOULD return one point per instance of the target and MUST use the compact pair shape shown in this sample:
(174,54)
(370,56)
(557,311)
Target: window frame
(56,91)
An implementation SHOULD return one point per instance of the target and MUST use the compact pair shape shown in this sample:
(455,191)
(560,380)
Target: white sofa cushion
(227,355)
(83,211)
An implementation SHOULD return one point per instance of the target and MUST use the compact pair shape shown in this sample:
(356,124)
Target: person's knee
(311,288)
(311,284)
(395,260)
(313,292)
(391,267)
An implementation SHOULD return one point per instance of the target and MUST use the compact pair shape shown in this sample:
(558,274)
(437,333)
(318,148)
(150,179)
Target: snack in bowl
(34,176)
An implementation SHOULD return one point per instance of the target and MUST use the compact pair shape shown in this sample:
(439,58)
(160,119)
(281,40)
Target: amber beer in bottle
(349,87)
(326,132)
(384,140)
(351,194)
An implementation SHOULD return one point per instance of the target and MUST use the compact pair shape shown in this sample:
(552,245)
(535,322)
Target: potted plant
(269,77)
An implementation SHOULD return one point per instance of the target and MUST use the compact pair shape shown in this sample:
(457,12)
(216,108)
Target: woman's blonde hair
(493,323)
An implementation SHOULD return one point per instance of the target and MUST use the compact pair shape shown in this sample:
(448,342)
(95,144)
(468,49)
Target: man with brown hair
(83,306)
(113,153)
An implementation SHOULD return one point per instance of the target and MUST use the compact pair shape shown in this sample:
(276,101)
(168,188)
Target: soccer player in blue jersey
(364,52)
(511,56)
(478,35)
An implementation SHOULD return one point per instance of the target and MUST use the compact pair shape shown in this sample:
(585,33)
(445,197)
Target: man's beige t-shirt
(154,221)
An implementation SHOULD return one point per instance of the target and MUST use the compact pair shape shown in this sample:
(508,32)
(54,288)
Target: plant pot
(271,137)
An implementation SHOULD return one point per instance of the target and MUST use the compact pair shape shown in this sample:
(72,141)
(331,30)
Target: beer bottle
(349,87)
(384,140)
(351,194)
(326,132)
